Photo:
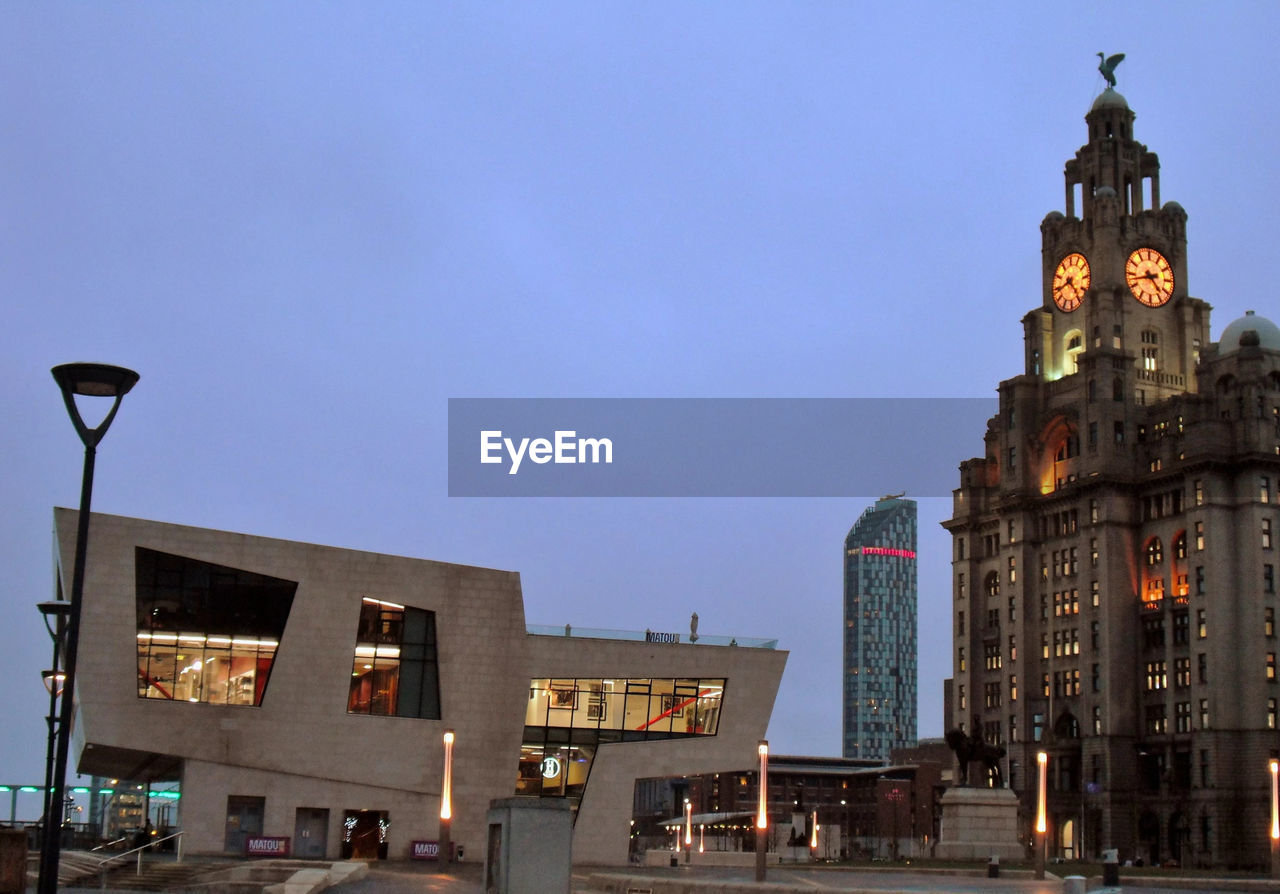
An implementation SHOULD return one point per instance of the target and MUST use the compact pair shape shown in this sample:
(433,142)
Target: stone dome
(1250,330)
(1109,99)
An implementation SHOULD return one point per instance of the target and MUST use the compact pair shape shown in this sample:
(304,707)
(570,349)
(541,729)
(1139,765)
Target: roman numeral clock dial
(1149,276)
(1070,282)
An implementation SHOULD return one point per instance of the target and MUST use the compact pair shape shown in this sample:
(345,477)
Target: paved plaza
(467,878)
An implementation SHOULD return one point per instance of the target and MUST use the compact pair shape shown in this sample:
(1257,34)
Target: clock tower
(1115,277)
(1116,546)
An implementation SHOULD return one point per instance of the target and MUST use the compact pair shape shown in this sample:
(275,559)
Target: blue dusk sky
(309,225)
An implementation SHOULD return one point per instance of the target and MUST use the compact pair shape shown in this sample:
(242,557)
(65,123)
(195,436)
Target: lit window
(394,671)
(206,633)
(1155,551)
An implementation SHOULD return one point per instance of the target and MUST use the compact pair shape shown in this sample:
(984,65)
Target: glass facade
(206,633)
(395,671)
(567,719)
(880,630)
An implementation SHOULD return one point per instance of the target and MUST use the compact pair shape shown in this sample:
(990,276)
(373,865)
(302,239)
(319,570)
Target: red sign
(267,846)
(888,551)
(425,850)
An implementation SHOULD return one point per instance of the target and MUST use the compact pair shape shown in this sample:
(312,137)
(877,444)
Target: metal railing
(104,866)
(650,636)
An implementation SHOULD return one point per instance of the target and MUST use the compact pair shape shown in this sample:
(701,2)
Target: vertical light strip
(762,807)
(1274,766)
(446,789)
(813,837)
(1043,760)
(688,823)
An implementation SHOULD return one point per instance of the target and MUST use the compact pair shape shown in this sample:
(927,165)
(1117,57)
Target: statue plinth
(978,824)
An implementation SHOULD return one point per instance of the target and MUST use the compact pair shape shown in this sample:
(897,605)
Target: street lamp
(1042,826)
(1274,766)
(762,810)
(89,380)
(446,802)
(54,613)
(688,830)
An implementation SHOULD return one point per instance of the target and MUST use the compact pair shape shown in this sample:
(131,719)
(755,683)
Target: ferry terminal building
(301,691)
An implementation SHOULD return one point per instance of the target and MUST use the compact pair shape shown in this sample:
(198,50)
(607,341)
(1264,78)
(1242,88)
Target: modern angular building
(880,631)
(1115,553)
(302,692)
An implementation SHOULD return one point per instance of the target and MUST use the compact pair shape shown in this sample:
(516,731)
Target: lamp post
(688,830)
(1042,826)
(90,380)
(1274,766)
(54,613)
(446,802)
(846,849)
(762,810)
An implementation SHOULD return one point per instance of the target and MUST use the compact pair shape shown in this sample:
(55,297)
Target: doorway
(364,834)
(1149,838)
(310,833)
(244,821)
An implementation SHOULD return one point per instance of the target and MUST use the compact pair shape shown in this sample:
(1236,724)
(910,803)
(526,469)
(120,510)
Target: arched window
(1067,726)
(1155,551)
(1072,347)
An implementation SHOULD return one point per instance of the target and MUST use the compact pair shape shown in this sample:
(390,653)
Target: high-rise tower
(880,630)
(1114,547)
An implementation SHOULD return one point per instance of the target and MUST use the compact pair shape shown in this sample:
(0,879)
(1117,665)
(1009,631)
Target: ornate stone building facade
(1115,550)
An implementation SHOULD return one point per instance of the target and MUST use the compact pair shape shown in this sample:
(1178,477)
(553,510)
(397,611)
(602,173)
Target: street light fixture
(1042,826)
(53,680)
(1274,766)
(89,380)
(446,802)
(762,810)
(54,613)
(688,830)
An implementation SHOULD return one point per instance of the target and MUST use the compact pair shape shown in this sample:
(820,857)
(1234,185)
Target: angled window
(395,672)
(567,719)
(206,633)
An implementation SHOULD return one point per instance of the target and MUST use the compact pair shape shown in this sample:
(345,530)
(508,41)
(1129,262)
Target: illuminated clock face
(1149,276)
(1070,282)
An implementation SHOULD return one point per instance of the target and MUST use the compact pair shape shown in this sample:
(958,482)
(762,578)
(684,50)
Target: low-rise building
(302,692)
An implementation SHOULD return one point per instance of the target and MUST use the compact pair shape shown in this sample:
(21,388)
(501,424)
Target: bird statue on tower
(1108,67)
